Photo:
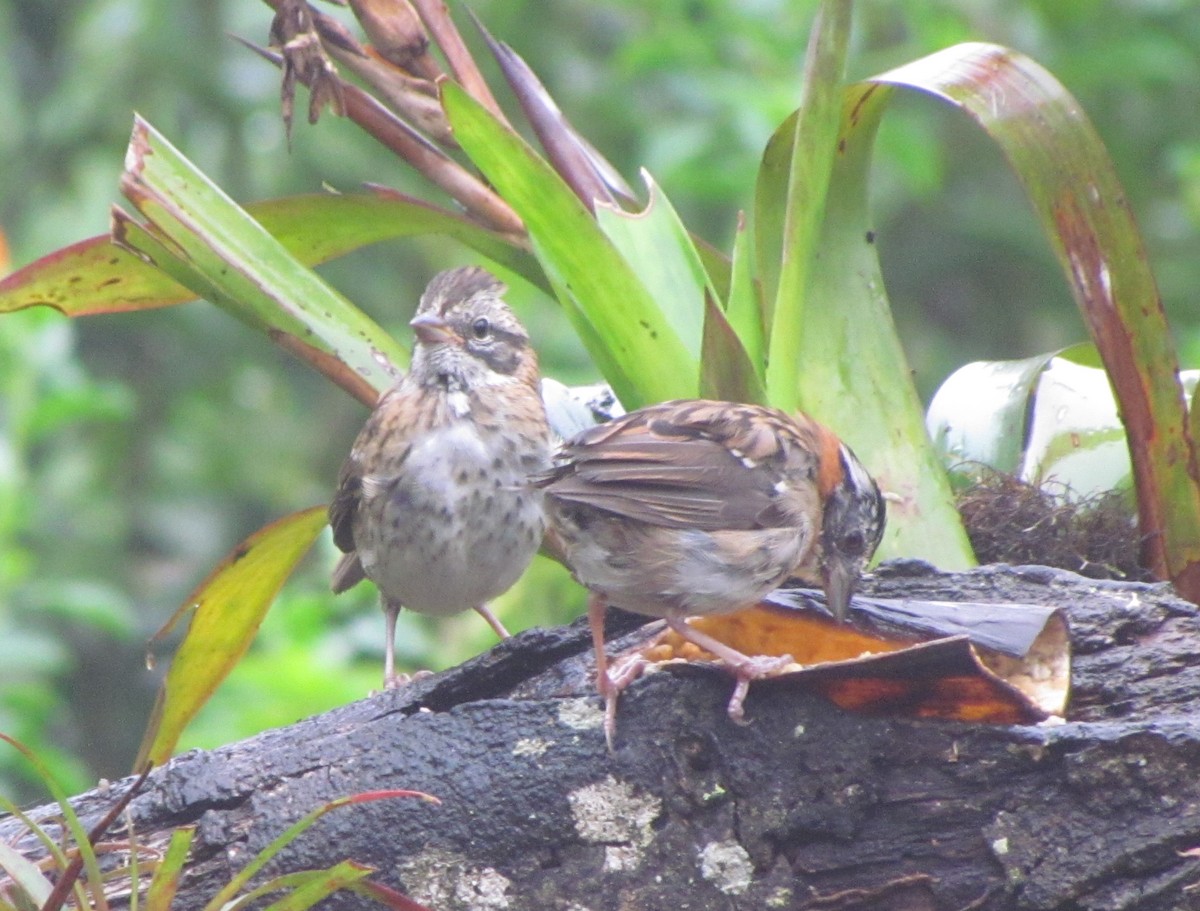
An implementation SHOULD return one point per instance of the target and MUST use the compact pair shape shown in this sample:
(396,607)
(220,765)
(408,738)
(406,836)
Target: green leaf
(744,306)
(245,270)
(1063,165)
(856,377)
(294,831)
(70,821)
(226,610)
(617,318)
(726,371)
(318,885)
(96,276)
(810,163)
(659,249)
(32,887)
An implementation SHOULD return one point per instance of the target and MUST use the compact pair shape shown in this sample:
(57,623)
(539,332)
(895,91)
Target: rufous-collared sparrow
(700,507)
(434,503)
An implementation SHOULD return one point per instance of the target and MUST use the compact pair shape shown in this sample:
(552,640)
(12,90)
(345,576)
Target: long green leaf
(32,887)
(303,889)
(226,610)
(855,375)
(253,275)
(94,276)
(71,823)
(744,308)
(1066,171)
(628,335)
(726,371)
(226,893)
(660,251)
(811,160)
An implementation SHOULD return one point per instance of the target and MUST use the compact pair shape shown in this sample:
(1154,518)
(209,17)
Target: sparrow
(435,503)
(702,507)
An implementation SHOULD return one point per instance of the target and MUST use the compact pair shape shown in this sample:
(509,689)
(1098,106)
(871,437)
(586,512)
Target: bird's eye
(481,328)
(853,543)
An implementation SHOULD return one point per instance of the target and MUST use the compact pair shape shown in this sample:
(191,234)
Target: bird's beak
(432,329)
(840,578)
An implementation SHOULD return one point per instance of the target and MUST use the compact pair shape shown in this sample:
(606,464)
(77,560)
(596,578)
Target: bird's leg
(610,683)
(391,610)
(493,621)
(392,680)
(745,668)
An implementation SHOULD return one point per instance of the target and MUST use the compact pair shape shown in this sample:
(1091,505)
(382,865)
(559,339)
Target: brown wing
(383,445)
(345,504)
(687,464)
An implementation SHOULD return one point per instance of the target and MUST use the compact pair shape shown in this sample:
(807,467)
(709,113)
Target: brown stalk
(437,19)
(393,132)
(397,35)
(411,98)
(66,881)
(569,155)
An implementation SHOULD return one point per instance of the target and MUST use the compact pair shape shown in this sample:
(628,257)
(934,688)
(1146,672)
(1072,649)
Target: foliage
(74,856)
(713,89)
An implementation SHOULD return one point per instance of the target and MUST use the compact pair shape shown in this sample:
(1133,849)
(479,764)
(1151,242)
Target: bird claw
(611,682)
(751,668)
(396,681)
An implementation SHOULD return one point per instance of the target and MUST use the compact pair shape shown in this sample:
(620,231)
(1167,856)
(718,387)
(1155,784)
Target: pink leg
(745,668)
(493,621)
(609,684)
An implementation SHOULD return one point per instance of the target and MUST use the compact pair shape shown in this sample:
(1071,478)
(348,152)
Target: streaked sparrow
(434,503)
(700,507)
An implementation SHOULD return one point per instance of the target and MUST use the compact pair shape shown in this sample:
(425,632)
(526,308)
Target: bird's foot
(611,682)
(748,669)
(398,681)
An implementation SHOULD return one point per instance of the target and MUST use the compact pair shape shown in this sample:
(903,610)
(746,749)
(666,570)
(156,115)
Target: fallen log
(806,806)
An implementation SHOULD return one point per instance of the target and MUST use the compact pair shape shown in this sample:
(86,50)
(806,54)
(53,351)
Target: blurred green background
(136,450)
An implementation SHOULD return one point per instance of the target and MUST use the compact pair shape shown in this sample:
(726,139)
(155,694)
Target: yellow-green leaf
(226,610)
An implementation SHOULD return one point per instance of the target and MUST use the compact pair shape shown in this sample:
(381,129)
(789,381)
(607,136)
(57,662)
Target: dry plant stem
(397,35)
(437,20)
(566,151)
(62,888)
(472,194)
(411,98)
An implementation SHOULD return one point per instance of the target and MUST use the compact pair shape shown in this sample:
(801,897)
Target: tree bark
(804,807)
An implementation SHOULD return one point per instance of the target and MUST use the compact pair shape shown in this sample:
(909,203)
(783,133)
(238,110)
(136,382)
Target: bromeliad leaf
(785,268)
(226,610)
(95,276)
(744,305)
(248,272)
(615,315)
(855,376)
(659,250)
(1063,165)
